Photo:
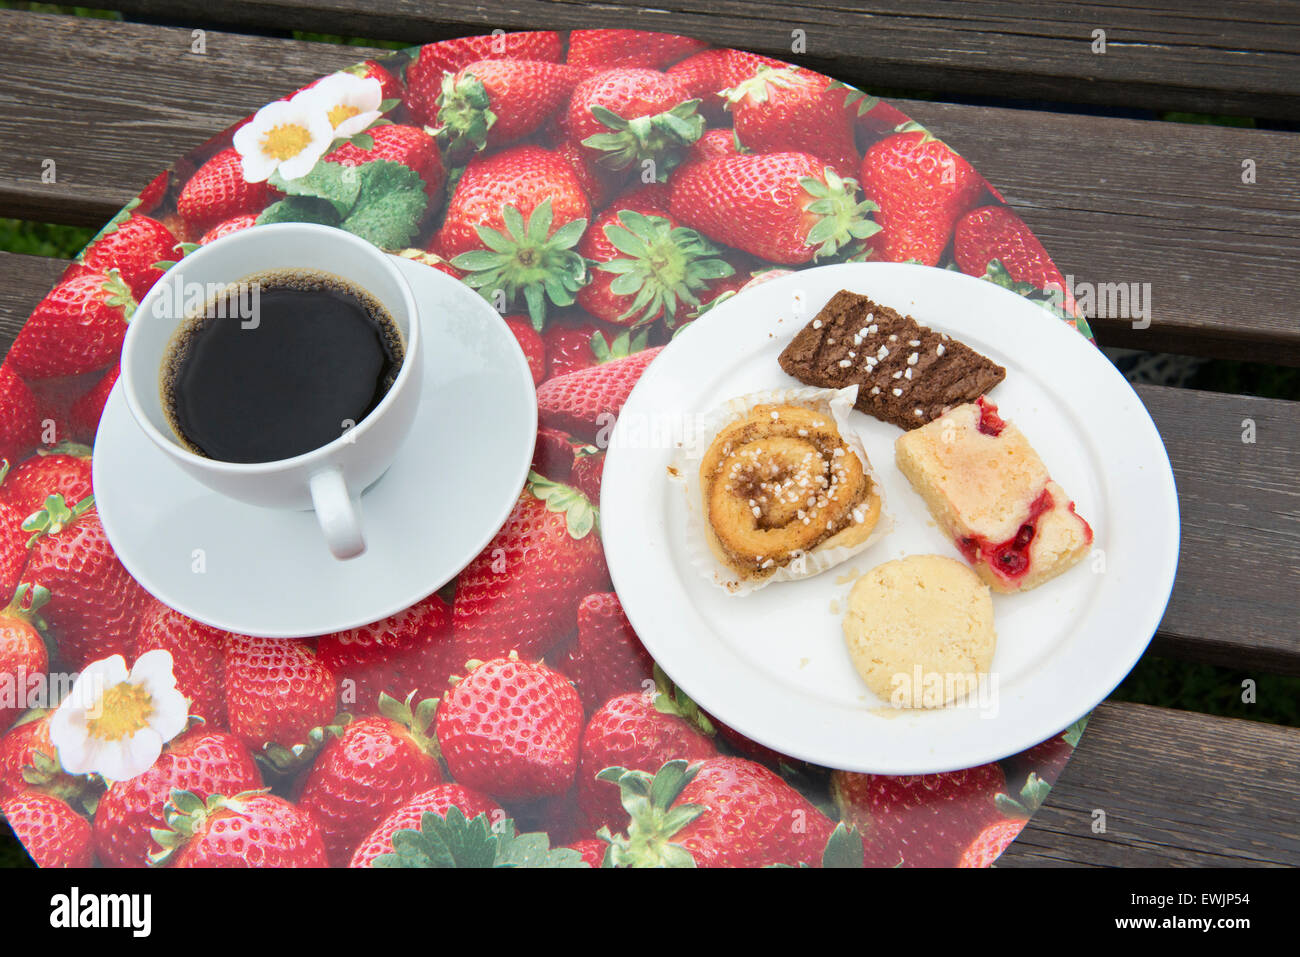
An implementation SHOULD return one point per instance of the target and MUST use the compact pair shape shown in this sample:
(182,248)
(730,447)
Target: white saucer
(267,572)
(773,664)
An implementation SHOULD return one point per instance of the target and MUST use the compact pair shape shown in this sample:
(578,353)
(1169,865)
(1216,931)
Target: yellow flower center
(342,112)
(285,141)
(124,709)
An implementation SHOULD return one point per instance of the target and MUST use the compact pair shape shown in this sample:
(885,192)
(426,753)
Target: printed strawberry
(277,690)
(592,850)
(490,103)
(873,115)
(723,812)
(227,226)
(586,403)
(989,844)
(631,731)
(22,649)
(63,470)
(512,225)
(613,659)
(919,820)
(78,326)
(198,656)
(748,747)
(149,197)
(511,729)
(29,761)
(633,117)
(87,410)
(408,145)
(94,604)
(996,233)
(629,48)
(437,801)
(251,829)
(599,183)
(372,768)
(432,260)
(571,346)
(13,547)
(783,207)
(20,424)
(718,293)
(787,108)
(218,191)
(522,592)
(713,143)
(1048,758)
(131,244)
(424,75)
(588,467)
(646,266)
(554,454)
(705,75)
(202,761)
(530,341)
(921,188)
(404,653)
(50,830)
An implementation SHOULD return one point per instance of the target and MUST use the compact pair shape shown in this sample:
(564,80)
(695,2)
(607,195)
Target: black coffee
(258,378)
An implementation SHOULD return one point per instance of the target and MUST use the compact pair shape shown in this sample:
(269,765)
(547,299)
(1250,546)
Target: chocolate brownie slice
(906,373)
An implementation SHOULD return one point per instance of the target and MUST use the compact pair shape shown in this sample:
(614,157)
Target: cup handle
(337,514)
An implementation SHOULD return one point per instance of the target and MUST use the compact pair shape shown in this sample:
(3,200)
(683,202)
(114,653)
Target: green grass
(43,239)
(1190,686)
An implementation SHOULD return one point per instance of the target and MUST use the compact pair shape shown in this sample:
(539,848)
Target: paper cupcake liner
(837,403)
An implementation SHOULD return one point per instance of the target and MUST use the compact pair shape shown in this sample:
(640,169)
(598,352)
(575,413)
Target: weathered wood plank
(1235,461)
(24,280)
(1205,56)
(113,103)
(1234,599)
(1164,204)
(1178,789)
(1114,200)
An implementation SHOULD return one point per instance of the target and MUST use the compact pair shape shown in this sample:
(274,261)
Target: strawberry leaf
(580,516)
(335,183)
(522,260)
(534,850)
(455,841)
(1074,732)
(299,209)
(843,847)
(661,138)
(389,204)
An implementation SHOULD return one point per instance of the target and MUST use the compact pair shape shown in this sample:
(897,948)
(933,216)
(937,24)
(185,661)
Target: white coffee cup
(329,479)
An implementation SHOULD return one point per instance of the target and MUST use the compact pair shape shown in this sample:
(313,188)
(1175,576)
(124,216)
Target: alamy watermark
(214,300)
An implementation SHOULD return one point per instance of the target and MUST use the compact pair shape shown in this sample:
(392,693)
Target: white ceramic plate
(267,572)
(773,664)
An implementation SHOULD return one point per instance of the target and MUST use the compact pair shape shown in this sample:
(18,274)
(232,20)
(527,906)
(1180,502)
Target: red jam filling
(990,422)
(1010,559)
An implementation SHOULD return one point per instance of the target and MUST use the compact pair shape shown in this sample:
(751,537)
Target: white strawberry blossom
(351,103)
(115,723)
(287,135)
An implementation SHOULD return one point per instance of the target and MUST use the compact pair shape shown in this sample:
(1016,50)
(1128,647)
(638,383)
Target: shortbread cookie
(906,373)
(988,489)
(920,630)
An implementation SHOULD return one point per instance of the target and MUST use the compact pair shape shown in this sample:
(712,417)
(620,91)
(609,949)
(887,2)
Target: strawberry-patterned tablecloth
(602,189)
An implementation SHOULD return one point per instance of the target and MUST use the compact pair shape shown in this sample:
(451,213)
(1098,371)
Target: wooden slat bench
(1114,199)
